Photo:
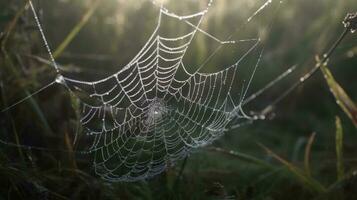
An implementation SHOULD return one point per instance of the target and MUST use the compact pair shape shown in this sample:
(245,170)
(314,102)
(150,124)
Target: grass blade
(308,153)
(71,156)
(11,26)
(307,181)
(12,68)
(16,134)
(242,156)
(77,28)
(339,149)
(342,99)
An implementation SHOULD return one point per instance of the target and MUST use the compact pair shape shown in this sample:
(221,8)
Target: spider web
(153,112)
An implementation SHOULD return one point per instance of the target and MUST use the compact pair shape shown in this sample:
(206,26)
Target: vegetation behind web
(301,152)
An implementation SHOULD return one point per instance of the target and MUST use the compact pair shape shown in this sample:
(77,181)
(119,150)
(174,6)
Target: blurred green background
(235,166)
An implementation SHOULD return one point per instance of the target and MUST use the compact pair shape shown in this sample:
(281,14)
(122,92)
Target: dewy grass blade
(342,98)
(339,150)
(242,156)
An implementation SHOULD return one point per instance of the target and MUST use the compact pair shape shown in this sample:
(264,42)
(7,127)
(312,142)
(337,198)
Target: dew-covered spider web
(155,111)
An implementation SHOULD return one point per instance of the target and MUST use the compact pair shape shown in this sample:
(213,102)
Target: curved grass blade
(306,180)
(308,153)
